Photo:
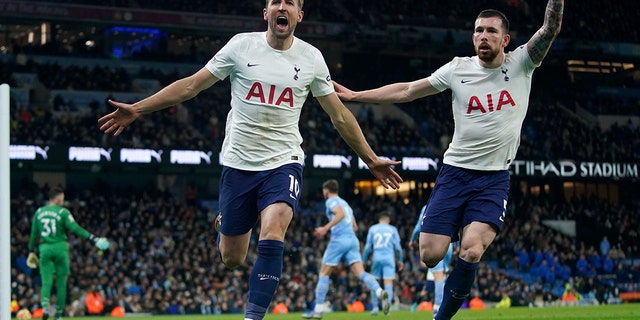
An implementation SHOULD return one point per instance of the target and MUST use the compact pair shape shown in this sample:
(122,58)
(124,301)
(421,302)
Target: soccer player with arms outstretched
(490,93)
(271,75)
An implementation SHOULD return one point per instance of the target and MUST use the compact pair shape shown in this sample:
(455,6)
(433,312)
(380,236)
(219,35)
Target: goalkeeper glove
(100,242)
(32,260)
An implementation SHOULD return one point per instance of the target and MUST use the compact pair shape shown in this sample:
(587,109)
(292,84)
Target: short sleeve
(521,55)
(321,84)
(222,63)
(440,79)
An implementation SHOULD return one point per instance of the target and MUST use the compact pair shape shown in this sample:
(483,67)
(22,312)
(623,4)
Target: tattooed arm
(538,46)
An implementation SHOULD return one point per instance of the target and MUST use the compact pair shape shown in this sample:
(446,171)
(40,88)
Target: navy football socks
(457,288)
(265,278)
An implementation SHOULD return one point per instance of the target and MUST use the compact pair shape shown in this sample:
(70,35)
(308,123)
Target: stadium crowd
(163,258)
(583,23)
(199,123)
(168,263)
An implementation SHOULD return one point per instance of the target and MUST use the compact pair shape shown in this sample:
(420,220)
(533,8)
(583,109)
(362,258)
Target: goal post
(5,205)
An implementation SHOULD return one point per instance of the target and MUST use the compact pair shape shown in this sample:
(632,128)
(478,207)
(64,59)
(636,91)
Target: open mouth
(282,22)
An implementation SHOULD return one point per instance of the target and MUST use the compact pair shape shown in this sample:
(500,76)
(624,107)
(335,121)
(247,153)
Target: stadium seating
(164,260)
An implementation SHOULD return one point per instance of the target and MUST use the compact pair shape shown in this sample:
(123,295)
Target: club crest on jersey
(284,96)
(504,99)
(504,71)
(296,69)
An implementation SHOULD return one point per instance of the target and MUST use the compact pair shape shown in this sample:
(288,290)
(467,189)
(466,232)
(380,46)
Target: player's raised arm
(348,127)
(539,44)
(177,92)
(392,93)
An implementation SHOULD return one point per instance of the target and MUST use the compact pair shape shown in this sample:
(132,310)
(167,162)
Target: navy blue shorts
(462,196)
(244,194)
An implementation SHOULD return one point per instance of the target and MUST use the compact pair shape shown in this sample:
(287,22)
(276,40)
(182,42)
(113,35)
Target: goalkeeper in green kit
(49,226)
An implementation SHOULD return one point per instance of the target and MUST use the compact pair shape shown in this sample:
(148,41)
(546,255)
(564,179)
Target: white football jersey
(489,107)
(268,90)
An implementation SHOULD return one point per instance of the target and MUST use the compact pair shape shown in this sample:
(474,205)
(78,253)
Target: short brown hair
(54,192)
(331,185)
(300,2)
(491,13)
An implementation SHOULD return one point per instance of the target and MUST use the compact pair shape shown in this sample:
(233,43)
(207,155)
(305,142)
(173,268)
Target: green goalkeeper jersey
(50,224)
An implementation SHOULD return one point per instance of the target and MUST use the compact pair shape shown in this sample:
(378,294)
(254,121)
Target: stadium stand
(170,258)
(164,258)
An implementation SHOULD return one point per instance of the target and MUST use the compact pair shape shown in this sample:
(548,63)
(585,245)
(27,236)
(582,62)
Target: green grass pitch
(618,312)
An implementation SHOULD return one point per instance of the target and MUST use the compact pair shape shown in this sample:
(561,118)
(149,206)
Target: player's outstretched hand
(344,93)
(383,170)
(116,121)
(32,260)
(102,243)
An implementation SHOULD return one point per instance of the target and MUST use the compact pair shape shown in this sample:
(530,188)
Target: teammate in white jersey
(271,75)
(490,94)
